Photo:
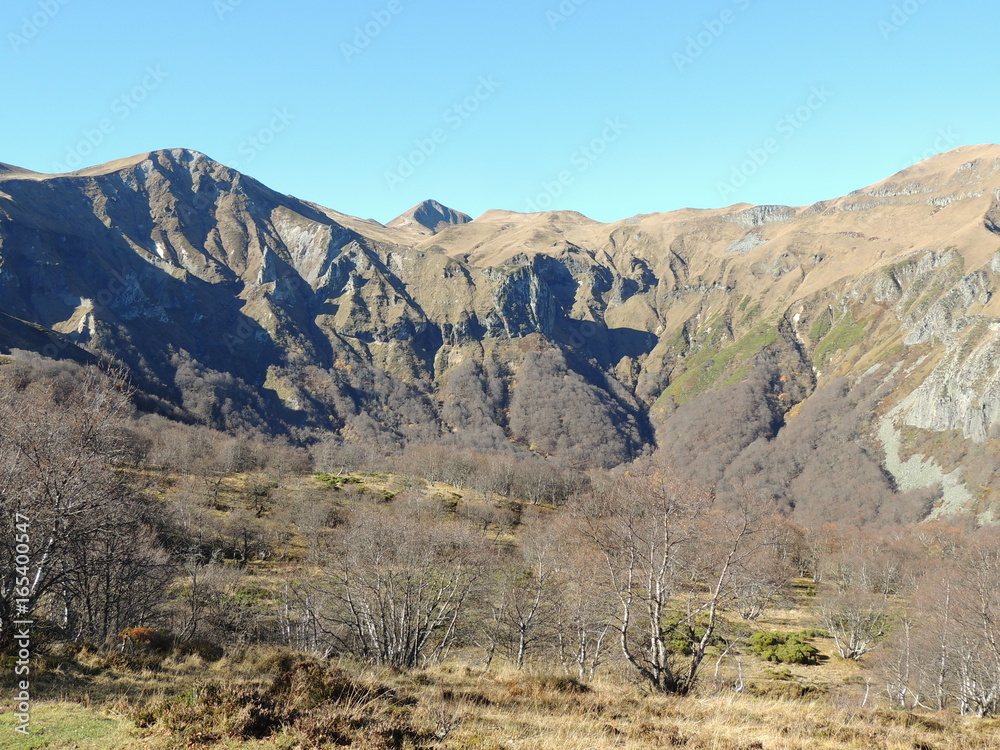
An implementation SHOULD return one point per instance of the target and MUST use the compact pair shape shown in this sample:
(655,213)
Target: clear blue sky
(609,108)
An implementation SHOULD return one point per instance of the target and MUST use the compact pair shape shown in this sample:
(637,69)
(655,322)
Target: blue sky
(608,108)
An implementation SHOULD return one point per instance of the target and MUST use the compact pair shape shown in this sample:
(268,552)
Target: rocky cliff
(549,332)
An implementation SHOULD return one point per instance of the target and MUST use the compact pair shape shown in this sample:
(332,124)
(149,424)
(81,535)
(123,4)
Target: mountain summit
(429,215)
(763,345)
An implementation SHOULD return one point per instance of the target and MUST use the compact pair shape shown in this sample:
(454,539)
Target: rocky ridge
(549,332)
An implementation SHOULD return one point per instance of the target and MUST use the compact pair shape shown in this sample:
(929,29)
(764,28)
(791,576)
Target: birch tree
(397,583)
(66,502)
(670,558)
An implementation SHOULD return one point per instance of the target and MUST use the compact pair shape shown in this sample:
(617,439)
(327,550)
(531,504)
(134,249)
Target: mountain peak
(965,166)
(431,216)
(179,157)
(182,157)
(9,170)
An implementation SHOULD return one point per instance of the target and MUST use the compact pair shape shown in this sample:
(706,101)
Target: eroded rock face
(759,216)
(347,319)
(992,218)
(522,303)
(963,392)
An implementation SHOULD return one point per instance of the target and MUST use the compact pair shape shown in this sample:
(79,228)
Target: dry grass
(181,700)
(512,710)
(456,706)
(185,700)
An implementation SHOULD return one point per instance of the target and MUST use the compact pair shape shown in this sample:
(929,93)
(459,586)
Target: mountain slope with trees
(707,337)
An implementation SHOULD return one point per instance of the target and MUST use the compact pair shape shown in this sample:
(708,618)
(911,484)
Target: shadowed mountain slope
(588,342)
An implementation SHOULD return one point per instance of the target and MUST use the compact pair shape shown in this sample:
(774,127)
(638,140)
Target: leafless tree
(63,447)
(945,654)
(117,580)
(523,598)
(916,662)
(397,583)
(760,582)
(670,559)
(866,573)
(976,649)
(857,620)
(585,609)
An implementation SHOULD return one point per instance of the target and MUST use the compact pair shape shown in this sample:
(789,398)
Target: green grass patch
(59,726)
(841,337)
(712,368)
(929,287)
(336,481)
(820,327)
(752,313)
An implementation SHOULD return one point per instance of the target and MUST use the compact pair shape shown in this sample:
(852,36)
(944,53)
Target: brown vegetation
(470,599)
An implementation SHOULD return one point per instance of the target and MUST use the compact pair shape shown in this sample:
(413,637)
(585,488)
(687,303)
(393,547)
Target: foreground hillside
(458,706)
(163,585)
(724,339)
(241,679)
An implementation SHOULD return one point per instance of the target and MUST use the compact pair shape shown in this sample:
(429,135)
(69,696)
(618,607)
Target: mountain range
(747,344)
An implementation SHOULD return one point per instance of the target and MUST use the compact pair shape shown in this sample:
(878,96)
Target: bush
(785,648)
(200,647)
(681,635)
(782,690)
(145,639)
(318,704)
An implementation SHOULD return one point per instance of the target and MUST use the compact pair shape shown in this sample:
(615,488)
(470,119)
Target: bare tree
(866,573)
(585,609)
(523,601)
(62,444)
(759,583)
(916,661)
(397,583)
(117,580)
(976,649)
(946,652)
(857,620)
(670,560)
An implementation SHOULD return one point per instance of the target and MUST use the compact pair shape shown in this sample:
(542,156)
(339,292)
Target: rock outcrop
(175,264)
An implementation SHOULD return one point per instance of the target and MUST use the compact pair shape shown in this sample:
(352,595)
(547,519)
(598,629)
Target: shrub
(785,648)
(147,639)
(200,647)
(316,703)
(682,635)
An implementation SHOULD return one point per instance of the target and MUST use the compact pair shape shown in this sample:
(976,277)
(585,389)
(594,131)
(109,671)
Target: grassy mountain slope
(550,332)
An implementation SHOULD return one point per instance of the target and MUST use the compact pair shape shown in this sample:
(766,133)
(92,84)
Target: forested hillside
(217,590)
(586,344)
(280,477)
